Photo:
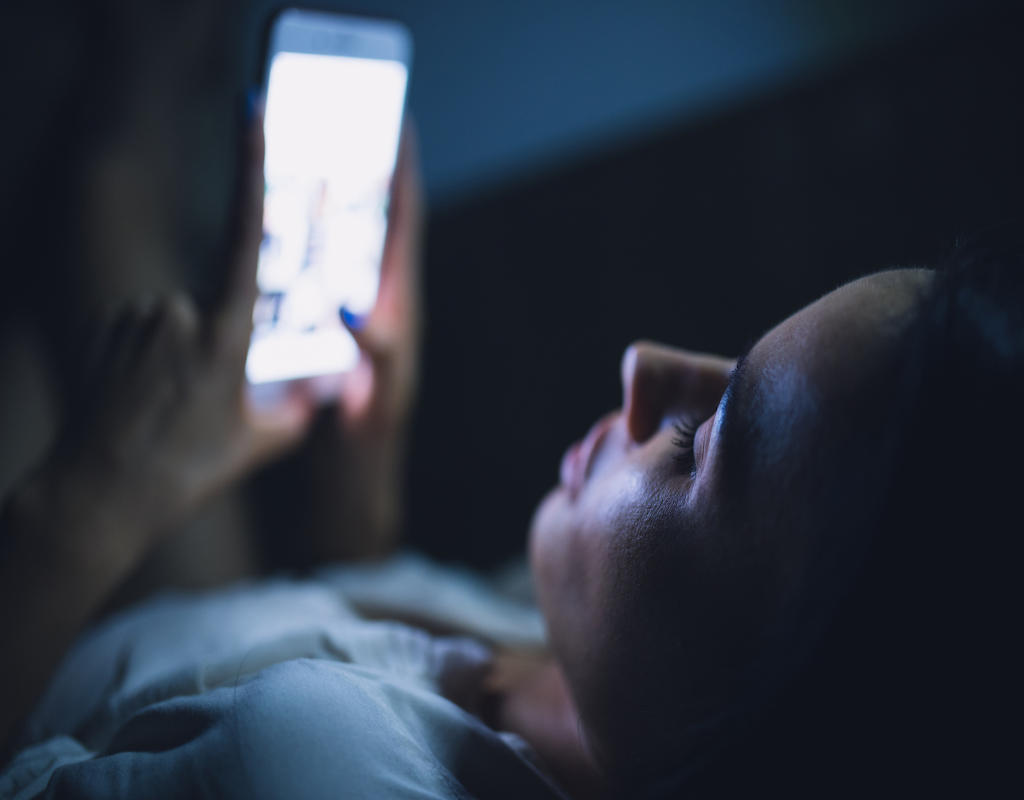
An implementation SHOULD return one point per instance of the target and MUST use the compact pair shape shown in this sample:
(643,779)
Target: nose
(660,382)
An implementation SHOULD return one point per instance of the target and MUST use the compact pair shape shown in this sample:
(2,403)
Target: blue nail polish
(354,321)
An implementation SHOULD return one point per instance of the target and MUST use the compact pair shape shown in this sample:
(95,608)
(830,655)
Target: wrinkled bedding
(282,688)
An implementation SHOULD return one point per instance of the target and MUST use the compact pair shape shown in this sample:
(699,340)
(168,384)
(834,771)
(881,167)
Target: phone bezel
(365,22)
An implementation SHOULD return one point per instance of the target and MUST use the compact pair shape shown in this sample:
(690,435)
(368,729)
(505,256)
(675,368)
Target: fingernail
(354,321)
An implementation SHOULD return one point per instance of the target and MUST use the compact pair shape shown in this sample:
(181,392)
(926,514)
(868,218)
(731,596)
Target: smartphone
(334,89)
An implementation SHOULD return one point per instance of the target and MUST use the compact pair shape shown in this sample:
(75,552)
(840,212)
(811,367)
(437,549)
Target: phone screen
(335,94)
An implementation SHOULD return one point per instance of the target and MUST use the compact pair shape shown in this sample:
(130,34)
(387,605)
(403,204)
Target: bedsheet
(280,688)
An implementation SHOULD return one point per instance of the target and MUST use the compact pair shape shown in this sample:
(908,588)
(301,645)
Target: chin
(554,558)
(549,516)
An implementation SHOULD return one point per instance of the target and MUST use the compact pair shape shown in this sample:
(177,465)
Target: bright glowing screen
(332,128)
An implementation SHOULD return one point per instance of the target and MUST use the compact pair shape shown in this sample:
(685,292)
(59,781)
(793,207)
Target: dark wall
(703,238)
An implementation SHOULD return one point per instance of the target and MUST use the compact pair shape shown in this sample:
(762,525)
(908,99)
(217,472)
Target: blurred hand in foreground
(377,396)
(166,423)
(358,448)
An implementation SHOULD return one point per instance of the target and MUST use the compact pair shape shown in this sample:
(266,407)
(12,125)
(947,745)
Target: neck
(529,696)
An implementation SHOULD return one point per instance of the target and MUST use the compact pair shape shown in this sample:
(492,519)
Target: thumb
(374,338)
(364,387)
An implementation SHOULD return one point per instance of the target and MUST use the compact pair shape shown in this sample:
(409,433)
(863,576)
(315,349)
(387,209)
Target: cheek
(573,547)
(581,553)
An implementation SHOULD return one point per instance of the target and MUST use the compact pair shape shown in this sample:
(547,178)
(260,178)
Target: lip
(579,458)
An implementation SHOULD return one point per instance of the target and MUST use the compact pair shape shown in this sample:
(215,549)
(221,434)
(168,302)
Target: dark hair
(903,671)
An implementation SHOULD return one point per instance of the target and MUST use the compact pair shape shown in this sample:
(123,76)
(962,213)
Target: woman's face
(640,495)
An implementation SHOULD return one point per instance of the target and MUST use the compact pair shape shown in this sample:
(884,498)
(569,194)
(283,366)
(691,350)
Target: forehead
(810,370)
(828,347)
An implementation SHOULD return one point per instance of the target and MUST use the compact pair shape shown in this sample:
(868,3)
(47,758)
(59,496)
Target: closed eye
(684,457)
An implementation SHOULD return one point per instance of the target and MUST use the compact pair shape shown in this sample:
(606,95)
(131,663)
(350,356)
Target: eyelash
(685,459)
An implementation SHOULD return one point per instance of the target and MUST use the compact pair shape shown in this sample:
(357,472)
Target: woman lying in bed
(797,575)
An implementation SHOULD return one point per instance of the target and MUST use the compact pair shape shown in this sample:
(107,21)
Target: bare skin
(358,458)
(623,496)
(527,694)
(356,450)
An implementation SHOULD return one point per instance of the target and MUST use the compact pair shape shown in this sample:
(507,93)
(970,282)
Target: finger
(109,339)
(380,344)
(359,394)
(128,338)
(180,328)
(372,379)
(107,353)
(374,338)
(399,281)
(233,319)
(97,340)
(163,356)
(183,316)
(407,202)
(162,327)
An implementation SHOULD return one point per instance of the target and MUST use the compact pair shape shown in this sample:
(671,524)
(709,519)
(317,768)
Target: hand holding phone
(358,448)
(377,395)
(335,94)
(338,314)
(162,423)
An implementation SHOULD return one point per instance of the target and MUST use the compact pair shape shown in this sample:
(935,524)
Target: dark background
(775,159)
(702,237)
